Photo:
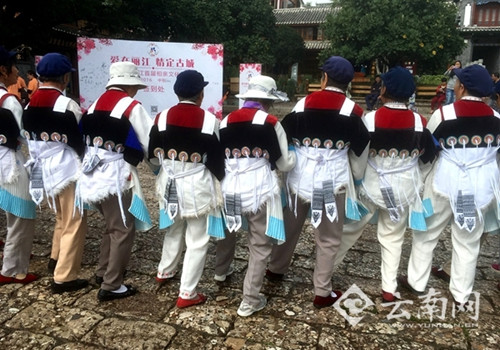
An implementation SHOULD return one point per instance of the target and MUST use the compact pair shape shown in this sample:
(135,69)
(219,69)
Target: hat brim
(256,94)
(128,81)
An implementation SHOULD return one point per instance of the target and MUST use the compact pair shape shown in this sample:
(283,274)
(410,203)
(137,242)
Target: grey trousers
(18,244)
(117,241)
(224,253)
(259,246)
(327,236)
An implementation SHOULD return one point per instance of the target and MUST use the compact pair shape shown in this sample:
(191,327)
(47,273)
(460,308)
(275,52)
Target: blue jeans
(450,96)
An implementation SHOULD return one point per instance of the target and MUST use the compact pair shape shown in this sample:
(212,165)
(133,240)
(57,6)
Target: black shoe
(99,280)
(403,282)
(106,295)
(51,266)
(71,286)
(274,277)
(440,273)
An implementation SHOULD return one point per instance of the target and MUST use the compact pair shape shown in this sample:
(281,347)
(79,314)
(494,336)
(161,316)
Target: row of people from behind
(186,184)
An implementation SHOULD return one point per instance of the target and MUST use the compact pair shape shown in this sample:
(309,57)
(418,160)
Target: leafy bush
(434,80)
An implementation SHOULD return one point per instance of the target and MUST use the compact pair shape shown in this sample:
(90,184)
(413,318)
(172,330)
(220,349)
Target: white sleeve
(142,124)
(434,121)
(288,158)
(11,103)
(75,109)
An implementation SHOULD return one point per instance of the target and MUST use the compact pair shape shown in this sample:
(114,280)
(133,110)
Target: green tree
(395,31)
(247,32)
(288,48)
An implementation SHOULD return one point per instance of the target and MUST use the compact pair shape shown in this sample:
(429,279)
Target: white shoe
(222,278)
(246,310)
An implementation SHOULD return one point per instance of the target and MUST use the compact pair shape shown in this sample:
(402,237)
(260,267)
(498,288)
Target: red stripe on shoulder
(129,108)
(157,118)
(465,108)
(386,118)
(44,98)
(424,120)
(271,119)
(186,115)
(325,99)
(357,110)
(241,115)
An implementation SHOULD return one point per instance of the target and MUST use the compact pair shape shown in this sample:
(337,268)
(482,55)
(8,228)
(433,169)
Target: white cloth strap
(92,107)
(232,165)
(223,123)
(464,166)
(208,123)
(448,112)
(61,104)
(419,126)
(347,107)
(259,118)
(170,172)
(382,172)
(162,120)
(121,107)
(320,157)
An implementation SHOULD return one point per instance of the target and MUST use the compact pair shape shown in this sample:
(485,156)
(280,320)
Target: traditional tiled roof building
(307,21)
(479,22)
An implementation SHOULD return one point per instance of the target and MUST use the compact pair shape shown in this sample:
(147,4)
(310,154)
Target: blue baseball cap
(476,79)
(54,65)
(189,83)
(338,69)
(399,82)
(7,57)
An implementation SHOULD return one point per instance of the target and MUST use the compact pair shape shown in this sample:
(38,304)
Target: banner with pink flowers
(159,64)
(247,71)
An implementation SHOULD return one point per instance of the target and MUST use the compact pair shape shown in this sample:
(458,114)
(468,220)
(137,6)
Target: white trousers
(195,239)
(390,236)
(465,252)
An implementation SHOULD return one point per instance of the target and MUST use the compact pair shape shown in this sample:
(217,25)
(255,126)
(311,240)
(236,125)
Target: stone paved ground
(32,318)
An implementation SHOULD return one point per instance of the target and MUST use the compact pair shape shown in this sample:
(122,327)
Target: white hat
(263,87)
(124,73)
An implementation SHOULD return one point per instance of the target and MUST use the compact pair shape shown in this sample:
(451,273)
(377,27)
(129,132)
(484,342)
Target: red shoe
(388,297)
(162,281)
(2,244)
(440,273)
(182,303)
(30,277)
(321,302)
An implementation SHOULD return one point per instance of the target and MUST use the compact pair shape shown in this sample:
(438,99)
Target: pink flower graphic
(215,51)
(217,113)
(106,42)
(198,46)
(85,44)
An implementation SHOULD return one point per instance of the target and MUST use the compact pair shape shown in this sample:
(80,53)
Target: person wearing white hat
(56,146)
(116,128)
(255,144)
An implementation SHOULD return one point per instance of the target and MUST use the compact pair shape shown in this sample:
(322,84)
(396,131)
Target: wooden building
(479,23)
